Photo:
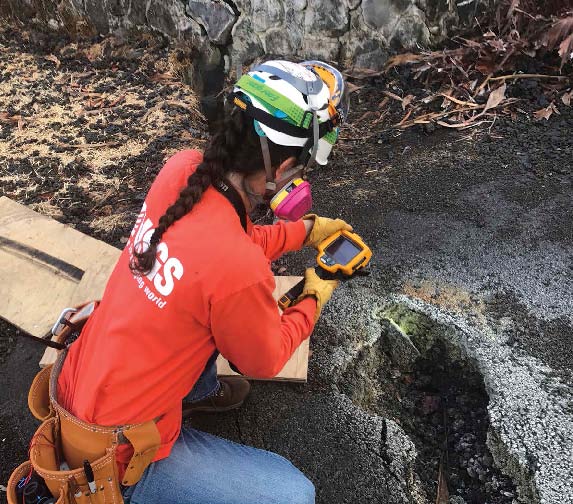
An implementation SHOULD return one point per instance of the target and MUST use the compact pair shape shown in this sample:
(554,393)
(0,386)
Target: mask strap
(270,185)
(255,198)
(291,171)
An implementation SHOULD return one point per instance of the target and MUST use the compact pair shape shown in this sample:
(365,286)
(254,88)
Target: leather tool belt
(63,442)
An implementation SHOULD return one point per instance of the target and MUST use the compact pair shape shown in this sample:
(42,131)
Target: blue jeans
(206,469)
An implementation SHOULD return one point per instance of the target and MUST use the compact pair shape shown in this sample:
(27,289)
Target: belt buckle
(60,324)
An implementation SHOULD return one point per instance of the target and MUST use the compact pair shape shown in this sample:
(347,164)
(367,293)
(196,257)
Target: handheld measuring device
(339,256)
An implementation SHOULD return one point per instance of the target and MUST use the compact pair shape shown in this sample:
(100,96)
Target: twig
(381,117)
(116,101)
(175,103)
(87,146)
(482,85)
(528,76)
(492,123)
(408,114)
(460,102)
(433,115)
(464,125)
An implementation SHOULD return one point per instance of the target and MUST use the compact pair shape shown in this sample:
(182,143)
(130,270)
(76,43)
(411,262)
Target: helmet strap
(270,185)
(316,136)
(305,87)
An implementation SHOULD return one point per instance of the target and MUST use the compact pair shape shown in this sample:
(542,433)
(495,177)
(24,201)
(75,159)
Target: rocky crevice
(418,376)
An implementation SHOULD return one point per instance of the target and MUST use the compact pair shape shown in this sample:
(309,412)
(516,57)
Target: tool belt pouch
(63,437)
(66,486)
(71,486)
(39,395)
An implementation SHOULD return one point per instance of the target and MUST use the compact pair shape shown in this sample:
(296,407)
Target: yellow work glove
(322,228)
(318,288)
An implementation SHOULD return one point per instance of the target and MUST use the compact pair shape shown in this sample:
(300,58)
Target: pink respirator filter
(297,203)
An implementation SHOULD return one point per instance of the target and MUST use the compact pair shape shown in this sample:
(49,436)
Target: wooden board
(46,266)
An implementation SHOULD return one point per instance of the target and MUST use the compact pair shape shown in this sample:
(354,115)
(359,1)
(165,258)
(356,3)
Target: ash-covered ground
(455,355)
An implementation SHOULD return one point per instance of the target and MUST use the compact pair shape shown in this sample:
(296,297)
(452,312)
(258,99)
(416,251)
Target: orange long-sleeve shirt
(148,341)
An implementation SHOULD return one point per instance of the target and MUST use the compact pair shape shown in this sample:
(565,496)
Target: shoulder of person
(185,161)
(174,174)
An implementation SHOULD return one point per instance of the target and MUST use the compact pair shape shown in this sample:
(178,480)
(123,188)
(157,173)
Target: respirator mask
(292,201)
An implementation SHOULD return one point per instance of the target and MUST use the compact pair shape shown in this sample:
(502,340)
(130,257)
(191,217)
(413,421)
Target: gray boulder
(216,17)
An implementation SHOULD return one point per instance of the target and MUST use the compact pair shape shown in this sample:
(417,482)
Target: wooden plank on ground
(46,266)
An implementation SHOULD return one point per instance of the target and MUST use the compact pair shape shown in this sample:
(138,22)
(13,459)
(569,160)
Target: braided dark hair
(234,147)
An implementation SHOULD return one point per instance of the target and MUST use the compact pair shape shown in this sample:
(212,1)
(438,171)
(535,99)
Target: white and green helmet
(294,104)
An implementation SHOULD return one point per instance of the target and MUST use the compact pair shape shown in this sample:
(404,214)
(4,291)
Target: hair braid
(197,184)
(234,147)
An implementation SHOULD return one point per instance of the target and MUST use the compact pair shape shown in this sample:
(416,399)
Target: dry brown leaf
(558,32)
(384,102)
(363,73)
(53,59)
(404,59)
(546,113)
(165,77)
(566,49)
(352,88)
(406,101)
(566,98)
(94,52)
(392,95)
(495,97)
(6,118)
(442,494)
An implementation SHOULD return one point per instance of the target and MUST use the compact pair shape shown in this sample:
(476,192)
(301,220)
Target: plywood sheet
(46,266)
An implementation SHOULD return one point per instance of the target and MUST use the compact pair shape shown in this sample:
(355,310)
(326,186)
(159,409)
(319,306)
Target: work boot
(231,394)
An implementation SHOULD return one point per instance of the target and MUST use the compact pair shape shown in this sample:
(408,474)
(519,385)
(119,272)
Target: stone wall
(350,32)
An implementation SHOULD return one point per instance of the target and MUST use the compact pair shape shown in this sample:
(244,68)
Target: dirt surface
(85,127)
(477,222)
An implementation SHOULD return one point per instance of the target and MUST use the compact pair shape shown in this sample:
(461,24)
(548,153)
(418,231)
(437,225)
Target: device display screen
(342,250)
